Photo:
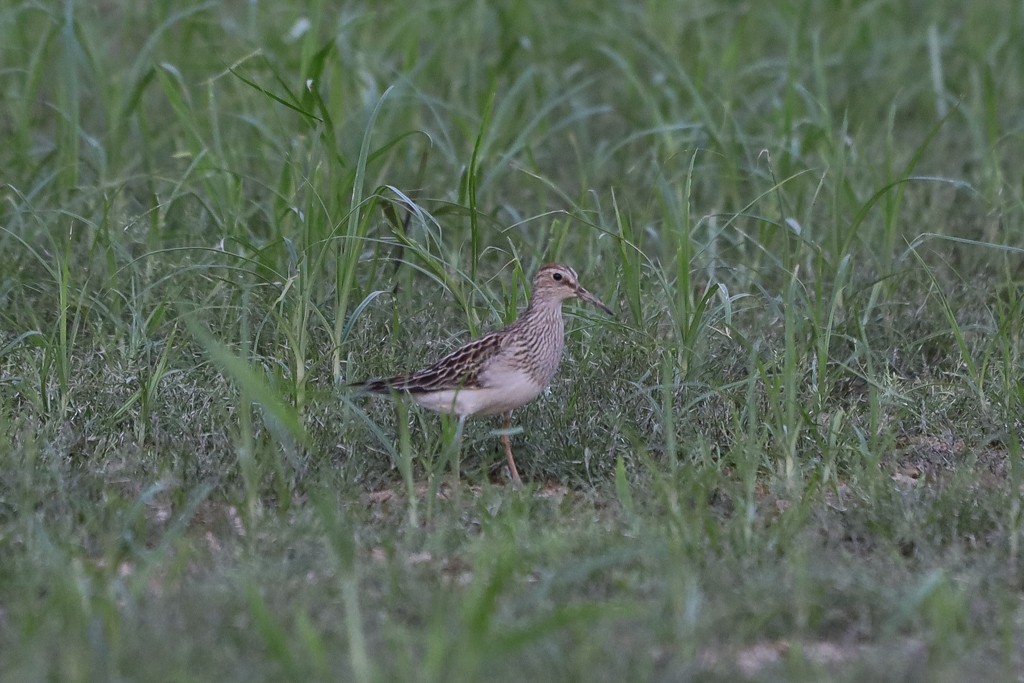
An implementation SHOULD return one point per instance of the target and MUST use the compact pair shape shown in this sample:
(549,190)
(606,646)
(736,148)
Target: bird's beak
(590,298)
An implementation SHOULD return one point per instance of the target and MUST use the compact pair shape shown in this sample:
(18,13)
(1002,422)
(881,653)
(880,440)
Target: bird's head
(557,282)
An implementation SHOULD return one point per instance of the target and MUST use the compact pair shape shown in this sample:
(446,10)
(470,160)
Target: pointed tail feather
(382,385)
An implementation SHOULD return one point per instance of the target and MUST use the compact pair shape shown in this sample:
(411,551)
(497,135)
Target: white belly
(483,401)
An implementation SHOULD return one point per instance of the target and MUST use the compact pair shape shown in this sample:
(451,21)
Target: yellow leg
(457,452)
(506,442)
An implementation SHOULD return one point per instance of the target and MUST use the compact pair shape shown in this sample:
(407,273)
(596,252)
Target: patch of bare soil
(755,659)
(933,458)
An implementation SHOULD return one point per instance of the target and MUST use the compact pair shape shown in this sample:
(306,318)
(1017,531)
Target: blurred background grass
(794,453)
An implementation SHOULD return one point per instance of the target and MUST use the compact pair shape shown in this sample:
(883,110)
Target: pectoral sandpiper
(501,370)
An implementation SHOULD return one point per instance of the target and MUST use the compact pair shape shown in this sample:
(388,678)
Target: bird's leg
(458,429)
(506,442)
(457,451)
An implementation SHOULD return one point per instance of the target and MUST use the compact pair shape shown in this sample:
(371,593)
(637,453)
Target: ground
(793,453)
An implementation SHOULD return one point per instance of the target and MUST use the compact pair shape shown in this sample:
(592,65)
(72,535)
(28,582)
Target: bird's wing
(460,369)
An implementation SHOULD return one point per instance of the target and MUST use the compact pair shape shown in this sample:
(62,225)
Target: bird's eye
(557,277)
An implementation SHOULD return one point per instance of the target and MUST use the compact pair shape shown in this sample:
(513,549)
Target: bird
(504,369)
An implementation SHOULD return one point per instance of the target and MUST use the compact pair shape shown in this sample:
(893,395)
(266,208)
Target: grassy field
(793,454)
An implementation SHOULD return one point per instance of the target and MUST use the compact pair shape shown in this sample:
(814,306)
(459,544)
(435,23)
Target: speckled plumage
(501,370)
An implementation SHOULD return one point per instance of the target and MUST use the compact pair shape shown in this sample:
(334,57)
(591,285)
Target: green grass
(793,454)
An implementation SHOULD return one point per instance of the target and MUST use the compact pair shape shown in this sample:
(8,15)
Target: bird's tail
(382,385)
